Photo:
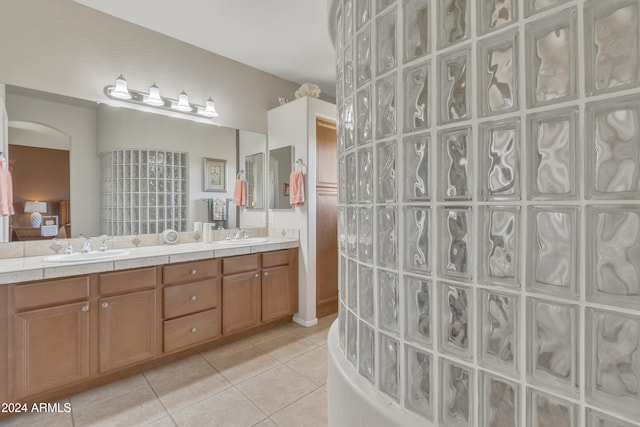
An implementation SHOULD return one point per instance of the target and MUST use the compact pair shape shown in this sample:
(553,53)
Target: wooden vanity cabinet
(279,275)
(240,293)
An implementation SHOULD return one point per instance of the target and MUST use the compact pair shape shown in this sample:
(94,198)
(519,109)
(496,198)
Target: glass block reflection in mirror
(366,298)
(613,265)
(497,81)
(598,419)
(552,154)
(613,148)
(363,56)
(454,24)
(363,118)
(545,410)
(389,379)
(495,14)
(416,239)
(499,330)
(551,59)
(456,233)
(455,164)
(419,381)
(553,233)
(416,25)
(386,124)
(416,167)
(365,234)
(388,301)
(552,342)
(367,350)
(387,232)
(499,258)
(456,320)
(500,160)
(613,361)
(352,338)
(386,171)
(456,394)
(499,401)
(416,97)
(365,175)
(419,320)
(454,86)
(535,6)
(386,42)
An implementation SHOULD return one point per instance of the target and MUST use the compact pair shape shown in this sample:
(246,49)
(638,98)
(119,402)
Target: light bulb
(120,90)
(183,103)
(154,97)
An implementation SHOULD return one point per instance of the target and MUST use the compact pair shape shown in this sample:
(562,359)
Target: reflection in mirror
(254,172)
(280,164)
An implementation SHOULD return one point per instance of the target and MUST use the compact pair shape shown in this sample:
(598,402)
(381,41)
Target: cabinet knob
(257,275)
(266,273)
(193,272)
(193,297)
(105,304)
(85,308)
(194,330)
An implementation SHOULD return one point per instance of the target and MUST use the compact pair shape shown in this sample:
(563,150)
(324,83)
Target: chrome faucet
(103,246)
(68,249)
(86,246)
(238,233)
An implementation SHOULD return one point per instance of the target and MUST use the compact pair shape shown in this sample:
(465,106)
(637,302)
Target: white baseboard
(305,323)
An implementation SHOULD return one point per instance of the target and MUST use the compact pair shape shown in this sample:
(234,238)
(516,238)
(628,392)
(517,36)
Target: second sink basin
(248,241)
(89,256)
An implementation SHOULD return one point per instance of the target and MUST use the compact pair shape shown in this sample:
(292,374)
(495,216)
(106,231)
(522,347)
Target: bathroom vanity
(69,332)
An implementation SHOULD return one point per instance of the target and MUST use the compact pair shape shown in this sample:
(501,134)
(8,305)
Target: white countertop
(14,270)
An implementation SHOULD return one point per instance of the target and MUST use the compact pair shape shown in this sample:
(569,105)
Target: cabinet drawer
(121,282)
(272,259)
(189,271)
(190,298)
(190,330)
(51,292)
(238,264)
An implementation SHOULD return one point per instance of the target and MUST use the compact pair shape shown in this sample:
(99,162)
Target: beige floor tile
(276,388)
(278,331)
(184,382)
(244,364)
(227,349)
(312,365)
(267,422)
(137,407)
(162,422)
(38,419)
(314,334)
(310,411)
(287,347)
(228,409)
(107,391)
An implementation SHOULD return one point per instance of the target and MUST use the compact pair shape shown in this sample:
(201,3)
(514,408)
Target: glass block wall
(489,207)
(143,192)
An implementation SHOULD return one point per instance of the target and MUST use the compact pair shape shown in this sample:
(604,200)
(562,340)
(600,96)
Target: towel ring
(299,165)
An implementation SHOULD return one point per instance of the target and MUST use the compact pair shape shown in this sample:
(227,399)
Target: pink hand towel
(240,193)
(296,189)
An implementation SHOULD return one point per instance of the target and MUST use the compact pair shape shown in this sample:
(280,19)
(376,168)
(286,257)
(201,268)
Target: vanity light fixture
(120,92)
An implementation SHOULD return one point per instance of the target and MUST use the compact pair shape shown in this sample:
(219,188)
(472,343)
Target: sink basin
(89,256)
(248,241)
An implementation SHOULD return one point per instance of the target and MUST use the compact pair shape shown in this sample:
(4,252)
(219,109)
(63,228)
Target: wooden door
(326,219)
(127,329)
(52,347)
(276,293)
(240,301)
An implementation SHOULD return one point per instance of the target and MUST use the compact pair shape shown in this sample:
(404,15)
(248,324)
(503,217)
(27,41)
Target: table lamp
(35,208)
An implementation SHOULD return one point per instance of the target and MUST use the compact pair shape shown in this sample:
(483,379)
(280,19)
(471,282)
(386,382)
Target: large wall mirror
(280,166)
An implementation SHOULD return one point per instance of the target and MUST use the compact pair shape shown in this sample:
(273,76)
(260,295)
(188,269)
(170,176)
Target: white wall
(253,143)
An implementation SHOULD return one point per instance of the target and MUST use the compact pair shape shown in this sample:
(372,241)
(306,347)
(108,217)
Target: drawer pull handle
(85,308)
(193,297)
(194,330)
(193,272)
(105,304)
(266,273)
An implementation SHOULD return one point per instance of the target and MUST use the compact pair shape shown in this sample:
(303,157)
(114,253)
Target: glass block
(348,13)
(552,341)
(551,59)
(613,264)
(498,79)
(352,285)
(416,168)
(454,86)
(455,161)
(499,323)
(388,299)
(553,259)
(389,380)
(363,119)
(363,13)
(418,381)
(535,6)
(545,410)
(383,4)
(342,287)
(500,159)
(365,175)
(349,120)
(552,154)
(386,237)
(339,93)
(365,234)
(339,28)
(455,242)
(418,310)
(416,97)
(365,285)
(417,239)
(342,327)
(499,258)
(363,56)
(352,232)
(613,361)
(351,178)
(495,14)
(598,419)
(416,38)
(352,338)
(456,394)
(386,172)
(349,72)
(454,24)
(456,320)
(367,352)
(342,179)
(499,401)
(613,148)
(386,106)
(386,41)
(611,45)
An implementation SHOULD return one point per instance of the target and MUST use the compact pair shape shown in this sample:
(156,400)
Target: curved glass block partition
(489,208)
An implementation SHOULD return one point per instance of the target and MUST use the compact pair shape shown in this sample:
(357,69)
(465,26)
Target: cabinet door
(276,293)
(240,302)
(52,347)
(127,329)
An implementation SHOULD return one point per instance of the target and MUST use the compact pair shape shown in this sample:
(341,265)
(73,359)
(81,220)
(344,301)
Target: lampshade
(183,102)
(154,97)
(210,109)
(120,90)
(40,207)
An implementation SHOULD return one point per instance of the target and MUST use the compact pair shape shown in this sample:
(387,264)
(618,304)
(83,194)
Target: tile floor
(275,378)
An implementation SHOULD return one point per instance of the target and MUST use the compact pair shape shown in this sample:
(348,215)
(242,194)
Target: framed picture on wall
(215,175)
(286,189)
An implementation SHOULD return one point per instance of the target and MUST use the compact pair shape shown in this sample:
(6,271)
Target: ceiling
(287,38)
